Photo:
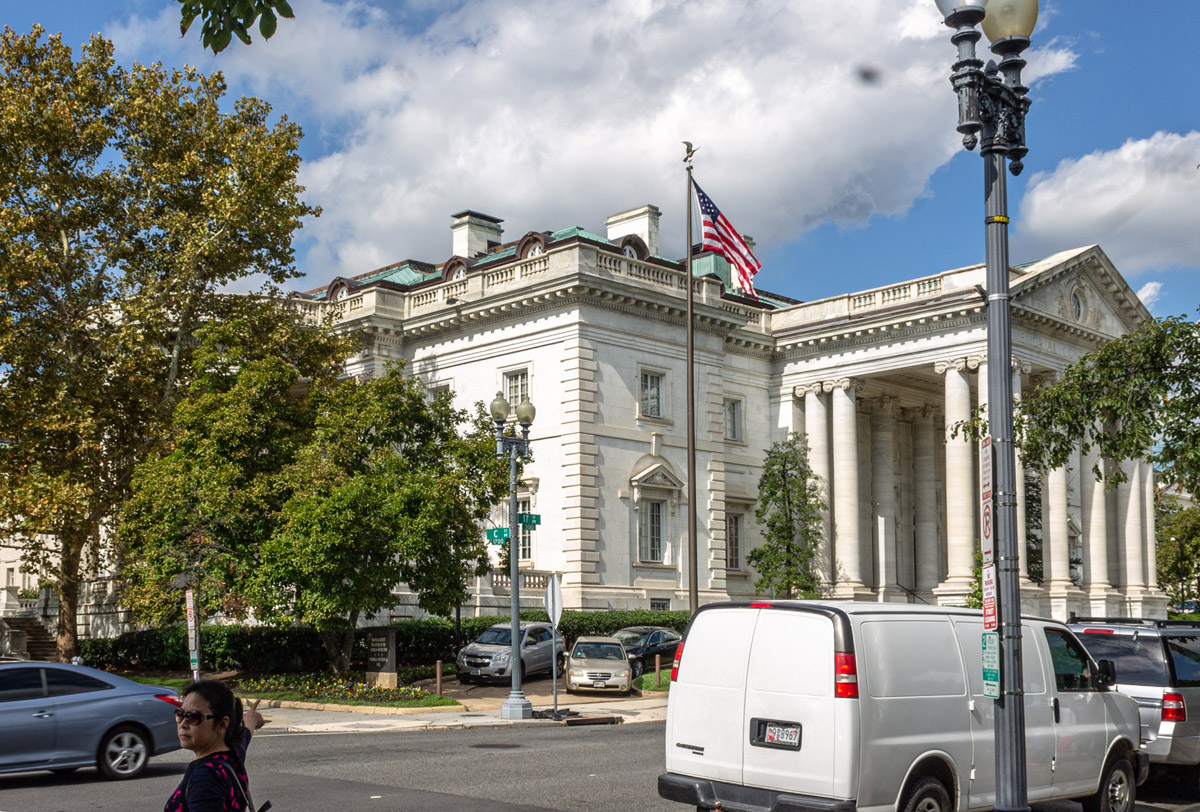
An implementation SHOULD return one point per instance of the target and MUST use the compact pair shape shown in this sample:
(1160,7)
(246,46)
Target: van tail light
(1097,631)
(845,676)
(675,665)
(1174,710)
(172,698)
(760,604)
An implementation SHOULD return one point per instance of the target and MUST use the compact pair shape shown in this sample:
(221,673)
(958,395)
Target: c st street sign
(498,535)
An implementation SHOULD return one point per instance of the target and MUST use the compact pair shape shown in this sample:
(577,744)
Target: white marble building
(592,328)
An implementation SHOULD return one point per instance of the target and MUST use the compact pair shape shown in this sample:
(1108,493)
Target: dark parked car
(60,717)
(643,642)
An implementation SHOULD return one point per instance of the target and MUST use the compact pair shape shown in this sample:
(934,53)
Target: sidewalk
(285,717)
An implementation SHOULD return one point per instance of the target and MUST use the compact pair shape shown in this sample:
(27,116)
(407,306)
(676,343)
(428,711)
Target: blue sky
(552,114)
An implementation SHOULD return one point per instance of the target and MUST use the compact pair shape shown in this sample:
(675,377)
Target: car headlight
(501,658)
(576,672)
(624,673)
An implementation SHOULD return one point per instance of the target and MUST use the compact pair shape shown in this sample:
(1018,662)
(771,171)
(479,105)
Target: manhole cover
(495,746)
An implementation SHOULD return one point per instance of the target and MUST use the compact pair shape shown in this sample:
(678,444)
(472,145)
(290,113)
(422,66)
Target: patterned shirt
(208,785)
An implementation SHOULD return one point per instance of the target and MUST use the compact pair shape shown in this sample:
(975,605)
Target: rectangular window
(650,532)
(733,420)
(733,541)
(660,605)
(651,395)
(516,387)
(525,532)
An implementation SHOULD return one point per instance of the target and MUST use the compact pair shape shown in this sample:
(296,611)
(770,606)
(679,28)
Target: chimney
(746,238)
(474,233)
(641,222)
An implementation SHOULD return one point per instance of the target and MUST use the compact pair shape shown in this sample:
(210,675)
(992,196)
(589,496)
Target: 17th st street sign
(529,519)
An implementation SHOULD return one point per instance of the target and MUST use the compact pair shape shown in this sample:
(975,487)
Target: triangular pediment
(1079,288)
(657,475)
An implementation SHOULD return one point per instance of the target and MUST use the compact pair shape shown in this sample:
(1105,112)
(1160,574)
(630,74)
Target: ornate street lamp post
(516,706)
(991,113)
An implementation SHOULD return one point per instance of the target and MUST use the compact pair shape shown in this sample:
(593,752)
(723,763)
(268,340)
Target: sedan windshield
(598,651)
(496,636)
(630,639)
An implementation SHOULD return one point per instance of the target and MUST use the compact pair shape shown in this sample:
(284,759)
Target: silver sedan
(60,717)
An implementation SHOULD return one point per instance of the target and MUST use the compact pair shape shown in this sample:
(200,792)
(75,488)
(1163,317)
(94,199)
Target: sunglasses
(192,717)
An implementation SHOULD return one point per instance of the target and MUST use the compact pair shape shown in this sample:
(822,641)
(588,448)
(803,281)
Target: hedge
(265,649)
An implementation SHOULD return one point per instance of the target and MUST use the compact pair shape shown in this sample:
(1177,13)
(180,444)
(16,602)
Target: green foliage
(269,650)
(1177,534)
(974,599)
(129,199)
(221,20)
(789,509)
(1136,396)
(347,689)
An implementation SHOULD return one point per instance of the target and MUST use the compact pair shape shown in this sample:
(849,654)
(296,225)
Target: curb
(379,710)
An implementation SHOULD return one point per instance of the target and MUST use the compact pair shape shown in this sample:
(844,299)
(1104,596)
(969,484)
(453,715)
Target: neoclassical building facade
(592,328)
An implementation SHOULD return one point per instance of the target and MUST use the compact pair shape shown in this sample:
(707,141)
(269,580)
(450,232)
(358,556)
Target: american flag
(720,236)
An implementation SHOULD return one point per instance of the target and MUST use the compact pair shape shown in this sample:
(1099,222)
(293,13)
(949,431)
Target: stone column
(1148,493)
(816,429)
(1118,531)
(1132,552)
(1094,512)
(1056,540)
(883,495)
(961,498)
(849,581)
(925,501)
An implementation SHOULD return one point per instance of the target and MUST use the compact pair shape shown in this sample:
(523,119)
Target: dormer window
(536,250)
(459,273)
(630,252)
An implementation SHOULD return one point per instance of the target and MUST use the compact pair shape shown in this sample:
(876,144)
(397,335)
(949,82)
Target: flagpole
(693,563)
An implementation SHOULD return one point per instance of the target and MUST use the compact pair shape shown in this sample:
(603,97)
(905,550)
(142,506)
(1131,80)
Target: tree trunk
(339,644)
(68,594)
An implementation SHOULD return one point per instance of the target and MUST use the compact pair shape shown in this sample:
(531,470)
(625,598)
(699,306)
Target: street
(492,770)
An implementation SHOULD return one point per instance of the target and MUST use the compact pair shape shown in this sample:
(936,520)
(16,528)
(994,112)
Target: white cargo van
(820,706)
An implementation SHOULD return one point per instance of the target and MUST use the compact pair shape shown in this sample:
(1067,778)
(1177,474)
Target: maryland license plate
(784,735)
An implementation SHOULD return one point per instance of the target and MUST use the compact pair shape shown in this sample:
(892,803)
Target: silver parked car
(487,658)
(60,717)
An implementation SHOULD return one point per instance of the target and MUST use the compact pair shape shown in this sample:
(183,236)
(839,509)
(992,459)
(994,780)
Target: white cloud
(552,114)
(1139,200)
(1150,293)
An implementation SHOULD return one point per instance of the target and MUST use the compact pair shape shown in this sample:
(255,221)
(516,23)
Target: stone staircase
(40,644)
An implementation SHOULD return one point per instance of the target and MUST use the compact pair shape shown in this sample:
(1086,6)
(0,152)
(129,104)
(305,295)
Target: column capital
(976,361)
(852,384)
(1019,365)
(941,367)
(1046,378)
(802,389)
(886,405)
(924,412)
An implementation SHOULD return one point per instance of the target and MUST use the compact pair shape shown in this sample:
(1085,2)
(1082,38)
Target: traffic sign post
(193,635)
(553,603)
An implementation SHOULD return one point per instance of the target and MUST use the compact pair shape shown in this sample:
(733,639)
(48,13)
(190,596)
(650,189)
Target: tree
(389,489)
(128,201)
(1136,396)
(222,19)
(789,509)
(1177,532)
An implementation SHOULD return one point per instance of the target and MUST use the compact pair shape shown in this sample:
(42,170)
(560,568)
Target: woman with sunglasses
(210,724)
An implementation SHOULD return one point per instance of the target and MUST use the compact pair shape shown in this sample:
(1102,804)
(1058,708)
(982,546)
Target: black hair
(223,704)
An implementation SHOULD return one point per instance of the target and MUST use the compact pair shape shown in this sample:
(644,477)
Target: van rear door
(706,707)
(790,695)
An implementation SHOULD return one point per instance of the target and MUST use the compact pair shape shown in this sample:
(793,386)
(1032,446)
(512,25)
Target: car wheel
(523,672)
(562,662)
(124,752)
(927,795)
(639,668)
(1118,790)
(463,678)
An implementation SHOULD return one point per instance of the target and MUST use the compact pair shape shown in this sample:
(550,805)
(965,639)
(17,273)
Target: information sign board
(991,664)
(990,616)
(193,635)
(985,498)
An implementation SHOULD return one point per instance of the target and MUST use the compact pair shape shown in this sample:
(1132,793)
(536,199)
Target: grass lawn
(349,689)
(647,683)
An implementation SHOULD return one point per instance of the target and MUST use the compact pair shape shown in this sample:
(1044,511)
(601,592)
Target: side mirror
(1106,676)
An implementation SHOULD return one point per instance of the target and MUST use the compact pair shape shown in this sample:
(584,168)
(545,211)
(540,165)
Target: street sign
(985,498)
(989,597)
(193,636)
(529,519)
(553,600)
(497,535)
(991,664)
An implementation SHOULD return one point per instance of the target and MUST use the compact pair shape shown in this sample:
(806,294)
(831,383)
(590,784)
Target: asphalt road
(491,770)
